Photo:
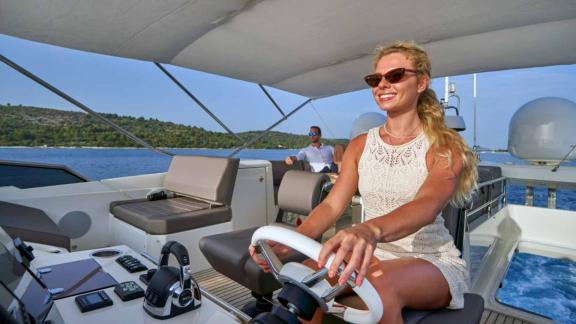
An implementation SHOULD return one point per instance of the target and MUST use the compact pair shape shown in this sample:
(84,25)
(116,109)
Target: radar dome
(365,122)
(543,130)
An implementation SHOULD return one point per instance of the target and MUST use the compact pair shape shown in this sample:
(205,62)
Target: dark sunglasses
(392,76)
(312,134)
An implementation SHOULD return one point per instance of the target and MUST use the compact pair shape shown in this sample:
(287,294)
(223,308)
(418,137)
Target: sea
(553,294)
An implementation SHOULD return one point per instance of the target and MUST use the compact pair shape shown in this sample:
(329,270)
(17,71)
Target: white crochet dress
(390,176)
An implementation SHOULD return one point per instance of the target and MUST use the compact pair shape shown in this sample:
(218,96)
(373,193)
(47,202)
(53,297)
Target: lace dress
(389,177)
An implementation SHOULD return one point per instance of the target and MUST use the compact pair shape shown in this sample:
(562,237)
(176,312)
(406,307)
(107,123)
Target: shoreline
(133,148)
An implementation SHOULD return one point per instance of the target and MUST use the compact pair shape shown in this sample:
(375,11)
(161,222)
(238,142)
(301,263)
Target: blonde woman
(406,170)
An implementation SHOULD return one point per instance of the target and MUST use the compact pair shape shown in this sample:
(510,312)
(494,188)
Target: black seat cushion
(470,314)
(228,254)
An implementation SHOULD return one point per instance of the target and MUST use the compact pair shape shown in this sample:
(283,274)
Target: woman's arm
(434,194)
(359,242)
(330,209)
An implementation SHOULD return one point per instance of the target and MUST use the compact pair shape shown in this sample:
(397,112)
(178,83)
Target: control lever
(24,249)
(146,277)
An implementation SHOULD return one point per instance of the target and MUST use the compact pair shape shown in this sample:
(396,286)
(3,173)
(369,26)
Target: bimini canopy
(314,48)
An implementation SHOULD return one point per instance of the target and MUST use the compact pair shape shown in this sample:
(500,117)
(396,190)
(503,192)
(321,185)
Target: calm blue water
(542,285)
(97,164)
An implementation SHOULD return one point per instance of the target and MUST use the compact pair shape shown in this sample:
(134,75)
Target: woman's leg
(408,282)
(403,282)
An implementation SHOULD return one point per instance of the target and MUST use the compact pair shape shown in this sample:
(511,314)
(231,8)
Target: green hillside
(33,126)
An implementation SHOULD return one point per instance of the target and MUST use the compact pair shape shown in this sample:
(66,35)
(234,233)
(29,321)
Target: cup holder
(105,253)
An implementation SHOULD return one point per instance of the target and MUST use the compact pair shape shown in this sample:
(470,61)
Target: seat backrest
(454,222)
(279,168)
(454,217)
(301,191)
(207,178)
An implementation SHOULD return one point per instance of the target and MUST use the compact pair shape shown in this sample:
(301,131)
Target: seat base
(470,314)
(139,240)
(169,216)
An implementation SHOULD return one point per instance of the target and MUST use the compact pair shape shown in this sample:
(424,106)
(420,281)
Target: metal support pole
(78,104)
(446,85)
(245,145)
(474,100)
(551,198)
(529,194)
(271,99)
(198,102)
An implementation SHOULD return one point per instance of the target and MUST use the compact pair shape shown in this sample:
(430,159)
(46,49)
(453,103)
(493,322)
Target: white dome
(543,130)
(365,122)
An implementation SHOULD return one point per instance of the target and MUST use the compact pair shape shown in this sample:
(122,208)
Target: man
(317,154)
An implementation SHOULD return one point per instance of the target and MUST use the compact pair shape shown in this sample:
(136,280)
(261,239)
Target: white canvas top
(315,48)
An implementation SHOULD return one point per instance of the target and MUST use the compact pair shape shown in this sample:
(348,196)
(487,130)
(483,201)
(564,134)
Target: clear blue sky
(129,87)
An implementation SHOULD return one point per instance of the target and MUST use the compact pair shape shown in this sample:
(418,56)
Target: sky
(109,84)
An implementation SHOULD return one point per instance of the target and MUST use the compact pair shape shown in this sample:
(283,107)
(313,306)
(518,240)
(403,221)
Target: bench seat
(169,215)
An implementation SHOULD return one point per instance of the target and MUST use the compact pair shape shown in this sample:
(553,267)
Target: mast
(474,109)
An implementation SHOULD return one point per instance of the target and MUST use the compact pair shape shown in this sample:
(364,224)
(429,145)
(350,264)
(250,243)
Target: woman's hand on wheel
(279,249)
(356,245)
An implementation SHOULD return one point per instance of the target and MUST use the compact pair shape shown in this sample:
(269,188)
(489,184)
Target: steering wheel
(312,281)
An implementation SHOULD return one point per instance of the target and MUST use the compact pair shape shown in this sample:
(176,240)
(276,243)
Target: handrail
(484,205)
(488,204)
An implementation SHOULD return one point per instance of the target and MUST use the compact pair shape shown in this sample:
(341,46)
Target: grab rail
(486,205)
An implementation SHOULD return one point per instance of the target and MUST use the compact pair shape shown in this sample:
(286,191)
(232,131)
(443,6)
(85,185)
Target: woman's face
(401,96)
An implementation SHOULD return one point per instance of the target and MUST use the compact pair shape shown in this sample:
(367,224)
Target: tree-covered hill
(33,126)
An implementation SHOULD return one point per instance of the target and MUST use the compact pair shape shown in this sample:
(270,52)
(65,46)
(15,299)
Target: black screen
(93,298)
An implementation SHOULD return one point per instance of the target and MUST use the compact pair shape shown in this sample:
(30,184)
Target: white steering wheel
(312,281)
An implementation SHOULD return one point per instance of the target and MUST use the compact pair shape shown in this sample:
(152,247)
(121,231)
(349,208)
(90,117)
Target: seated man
(317,154)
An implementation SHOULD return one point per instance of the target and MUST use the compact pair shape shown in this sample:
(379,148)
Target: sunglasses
(312,134)
(392,77)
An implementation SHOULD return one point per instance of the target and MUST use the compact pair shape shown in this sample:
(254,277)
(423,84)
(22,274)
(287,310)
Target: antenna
(474,108)
(452,88)
(555,168)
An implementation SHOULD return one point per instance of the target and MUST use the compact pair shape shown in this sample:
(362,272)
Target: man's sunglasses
(392,76)
(312,134)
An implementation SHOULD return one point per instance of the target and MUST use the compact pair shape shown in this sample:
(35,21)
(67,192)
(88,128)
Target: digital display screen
(93,298)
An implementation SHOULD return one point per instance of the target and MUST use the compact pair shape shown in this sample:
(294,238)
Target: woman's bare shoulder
(356,146)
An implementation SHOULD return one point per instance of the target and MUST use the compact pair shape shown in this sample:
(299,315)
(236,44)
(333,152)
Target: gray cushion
(209,178)
(279,168)
(31,224)
(169,215)
(301,191)
(203,187)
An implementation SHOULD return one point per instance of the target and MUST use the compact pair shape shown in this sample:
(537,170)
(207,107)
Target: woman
(406,170)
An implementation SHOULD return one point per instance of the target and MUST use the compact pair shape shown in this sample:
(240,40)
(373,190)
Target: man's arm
(300,156)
